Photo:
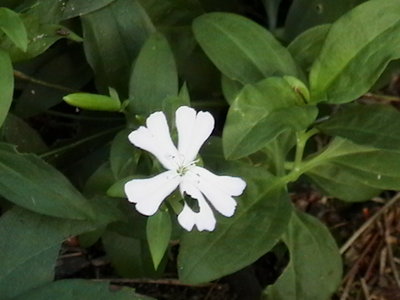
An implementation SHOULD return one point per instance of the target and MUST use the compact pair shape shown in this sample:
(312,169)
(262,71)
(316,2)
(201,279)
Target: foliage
(76,77)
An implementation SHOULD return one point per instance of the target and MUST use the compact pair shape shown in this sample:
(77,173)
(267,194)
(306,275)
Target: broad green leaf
(154,76)
(29,246)
(126,24)
(315,268)
(81,289)
(158,229)
(304,14)
(124,157)
(12,25)
(307,46)
(230,89)
(6,85)
(129,256)
(75,8)
(344,165)
(241,49)
(335,75)
(93,102)
(260,113)
(333,180)
(45,190)
(262,215)
(17,132)
(375,125)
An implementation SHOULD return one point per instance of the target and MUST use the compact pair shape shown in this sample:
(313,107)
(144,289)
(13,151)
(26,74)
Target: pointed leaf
(335,75)
(6,85)
(12,25)
(260,113)
(45,190)
(154,76)
(205,256)
(315,268)
(241,49)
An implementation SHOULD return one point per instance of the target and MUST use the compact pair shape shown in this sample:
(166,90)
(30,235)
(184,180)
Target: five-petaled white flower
(197,182)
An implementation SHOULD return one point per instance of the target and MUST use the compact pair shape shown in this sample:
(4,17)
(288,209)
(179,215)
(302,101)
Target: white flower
(197,182)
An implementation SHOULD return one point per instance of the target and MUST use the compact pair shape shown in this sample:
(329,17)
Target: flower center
(181,170)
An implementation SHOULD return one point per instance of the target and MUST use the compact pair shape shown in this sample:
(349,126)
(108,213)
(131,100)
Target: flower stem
(296,167)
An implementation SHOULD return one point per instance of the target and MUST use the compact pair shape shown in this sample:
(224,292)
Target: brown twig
(153,281)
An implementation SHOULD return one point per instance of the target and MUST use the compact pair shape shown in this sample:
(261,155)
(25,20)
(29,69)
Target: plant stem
(77,143)
(296,167)
(23,76)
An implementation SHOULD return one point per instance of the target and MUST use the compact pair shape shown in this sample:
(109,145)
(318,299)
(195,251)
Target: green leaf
(17,132)
(154,76)
(333,180)
(307,46)
(129,256)
(6,85)
(12,25)
(124,157)
(344,164)
(75,8)
(29,246)
(304,14)
(237,241)
(45,190)
(159,229)
(260,113)
(40,37)
(230,89)
(241,49)
(375,125)
(81,289)
(335,75)
(93,102)
(126,24)
(315,267)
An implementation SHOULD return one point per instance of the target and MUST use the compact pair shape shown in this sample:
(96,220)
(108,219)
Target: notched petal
(203,219)
(193,130)
(156,139)
(148,194)
(217,189)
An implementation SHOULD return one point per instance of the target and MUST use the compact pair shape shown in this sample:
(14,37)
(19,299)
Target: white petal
(156,139)
(203,219)
(217,189)
(193,130)
(149,193)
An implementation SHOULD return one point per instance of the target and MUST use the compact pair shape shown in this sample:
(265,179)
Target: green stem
(297,167)
(80,142)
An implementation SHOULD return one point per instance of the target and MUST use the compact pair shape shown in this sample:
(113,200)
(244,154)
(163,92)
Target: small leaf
(260,113)
(335,75)
(154,76)
(93,102)
(159,229)
(45,190)
(375,125)
(81,289)
(12,25)
(205,256)
(315,268)
(241,49)
(6,85)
